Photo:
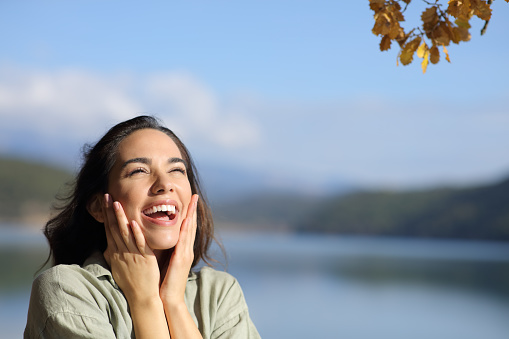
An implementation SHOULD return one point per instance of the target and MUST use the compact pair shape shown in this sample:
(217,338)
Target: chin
(162,243)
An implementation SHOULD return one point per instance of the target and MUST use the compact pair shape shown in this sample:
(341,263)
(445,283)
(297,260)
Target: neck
(163,258)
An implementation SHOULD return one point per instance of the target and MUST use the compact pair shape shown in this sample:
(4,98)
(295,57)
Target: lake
(325,286)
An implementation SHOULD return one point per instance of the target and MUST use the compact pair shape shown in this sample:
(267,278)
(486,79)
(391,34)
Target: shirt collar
(97,265)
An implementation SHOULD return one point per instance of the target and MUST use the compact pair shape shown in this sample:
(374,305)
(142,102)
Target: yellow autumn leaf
(446,54)
(462,23)
(466,9)
(442,34)
(454,8)
(423,48)
(407,53)
(382,24)
(429,19)
(455,35)
(462,33)
(395,10)
(434,55)
(385,43)
(440,25)
(481,9)
(376,5)
(395,30)
(425,61)
(402,37)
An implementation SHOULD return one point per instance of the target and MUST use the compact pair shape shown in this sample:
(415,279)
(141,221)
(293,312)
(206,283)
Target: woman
(124,244)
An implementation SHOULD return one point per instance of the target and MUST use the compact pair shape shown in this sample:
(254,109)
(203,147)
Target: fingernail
(116,205)
(107,199)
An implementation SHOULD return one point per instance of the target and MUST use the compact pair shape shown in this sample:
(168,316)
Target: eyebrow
(148,161)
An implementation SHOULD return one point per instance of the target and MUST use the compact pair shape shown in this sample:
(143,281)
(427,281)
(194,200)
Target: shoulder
(63,297)
(222,301)
(212,276)
(52,288)
(221,289)
(64,288)
(59,288)
(218,283)
(60,273)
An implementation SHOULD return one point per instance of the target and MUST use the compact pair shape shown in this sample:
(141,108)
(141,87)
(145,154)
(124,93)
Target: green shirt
(69,301)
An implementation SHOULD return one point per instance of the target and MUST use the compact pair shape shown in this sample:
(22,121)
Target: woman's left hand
(174,283)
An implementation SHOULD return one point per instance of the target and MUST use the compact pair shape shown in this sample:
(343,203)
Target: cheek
(184,187)
(185,193)
(126,198)
(119,194)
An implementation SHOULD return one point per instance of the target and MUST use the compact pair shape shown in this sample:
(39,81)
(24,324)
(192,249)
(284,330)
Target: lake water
(323,286)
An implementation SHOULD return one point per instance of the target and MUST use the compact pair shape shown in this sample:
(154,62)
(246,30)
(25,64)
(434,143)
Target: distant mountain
(27,189)
(226,184)
(267,211)
(474,212)
(248,200)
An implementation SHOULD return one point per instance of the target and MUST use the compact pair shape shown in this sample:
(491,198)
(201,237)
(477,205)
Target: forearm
(180,322)
(148,319)
(173,288)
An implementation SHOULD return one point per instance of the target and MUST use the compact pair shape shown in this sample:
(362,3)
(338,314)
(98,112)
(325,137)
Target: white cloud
(366,139)
(77,104)
(198,113)
(70,102)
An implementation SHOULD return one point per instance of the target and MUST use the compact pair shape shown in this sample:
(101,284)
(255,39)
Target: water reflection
(335,287)
(351,287)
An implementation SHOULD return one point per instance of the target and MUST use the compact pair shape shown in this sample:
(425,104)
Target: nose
(162,185)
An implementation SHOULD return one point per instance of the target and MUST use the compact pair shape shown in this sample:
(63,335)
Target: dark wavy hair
(73,234)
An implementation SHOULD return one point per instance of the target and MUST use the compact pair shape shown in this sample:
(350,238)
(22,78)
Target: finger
(124,229)
(194,223)
(113,224)
(139,239)
(108,220)
(189,224)
(192,206)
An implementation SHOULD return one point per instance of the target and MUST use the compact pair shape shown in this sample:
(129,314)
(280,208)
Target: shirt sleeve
(61,307)
(68,325)
(233,320)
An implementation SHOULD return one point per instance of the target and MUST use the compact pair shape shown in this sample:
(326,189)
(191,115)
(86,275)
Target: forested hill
(28,189)
(473,213)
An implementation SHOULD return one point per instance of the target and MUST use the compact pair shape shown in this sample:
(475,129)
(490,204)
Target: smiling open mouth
(161,212)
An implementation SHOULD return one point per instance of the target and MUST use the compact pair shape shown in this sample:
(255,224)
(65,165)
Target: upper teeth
(160,208)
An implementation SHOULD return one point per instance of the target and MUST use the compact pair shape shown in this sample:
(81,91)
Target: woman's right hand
(135,270)
(133,263)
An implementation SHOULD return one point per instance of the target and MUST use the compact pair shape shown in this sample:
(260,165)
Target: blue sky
(295,91)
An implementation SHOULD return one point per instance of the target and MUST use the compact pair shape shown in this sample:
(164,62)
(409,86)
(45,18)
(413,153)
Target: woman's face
(149,179)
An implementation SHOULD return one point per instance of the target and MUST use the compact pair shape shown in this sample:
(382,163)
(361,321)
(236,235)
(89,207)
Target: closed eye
(136,171)
(178,170)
